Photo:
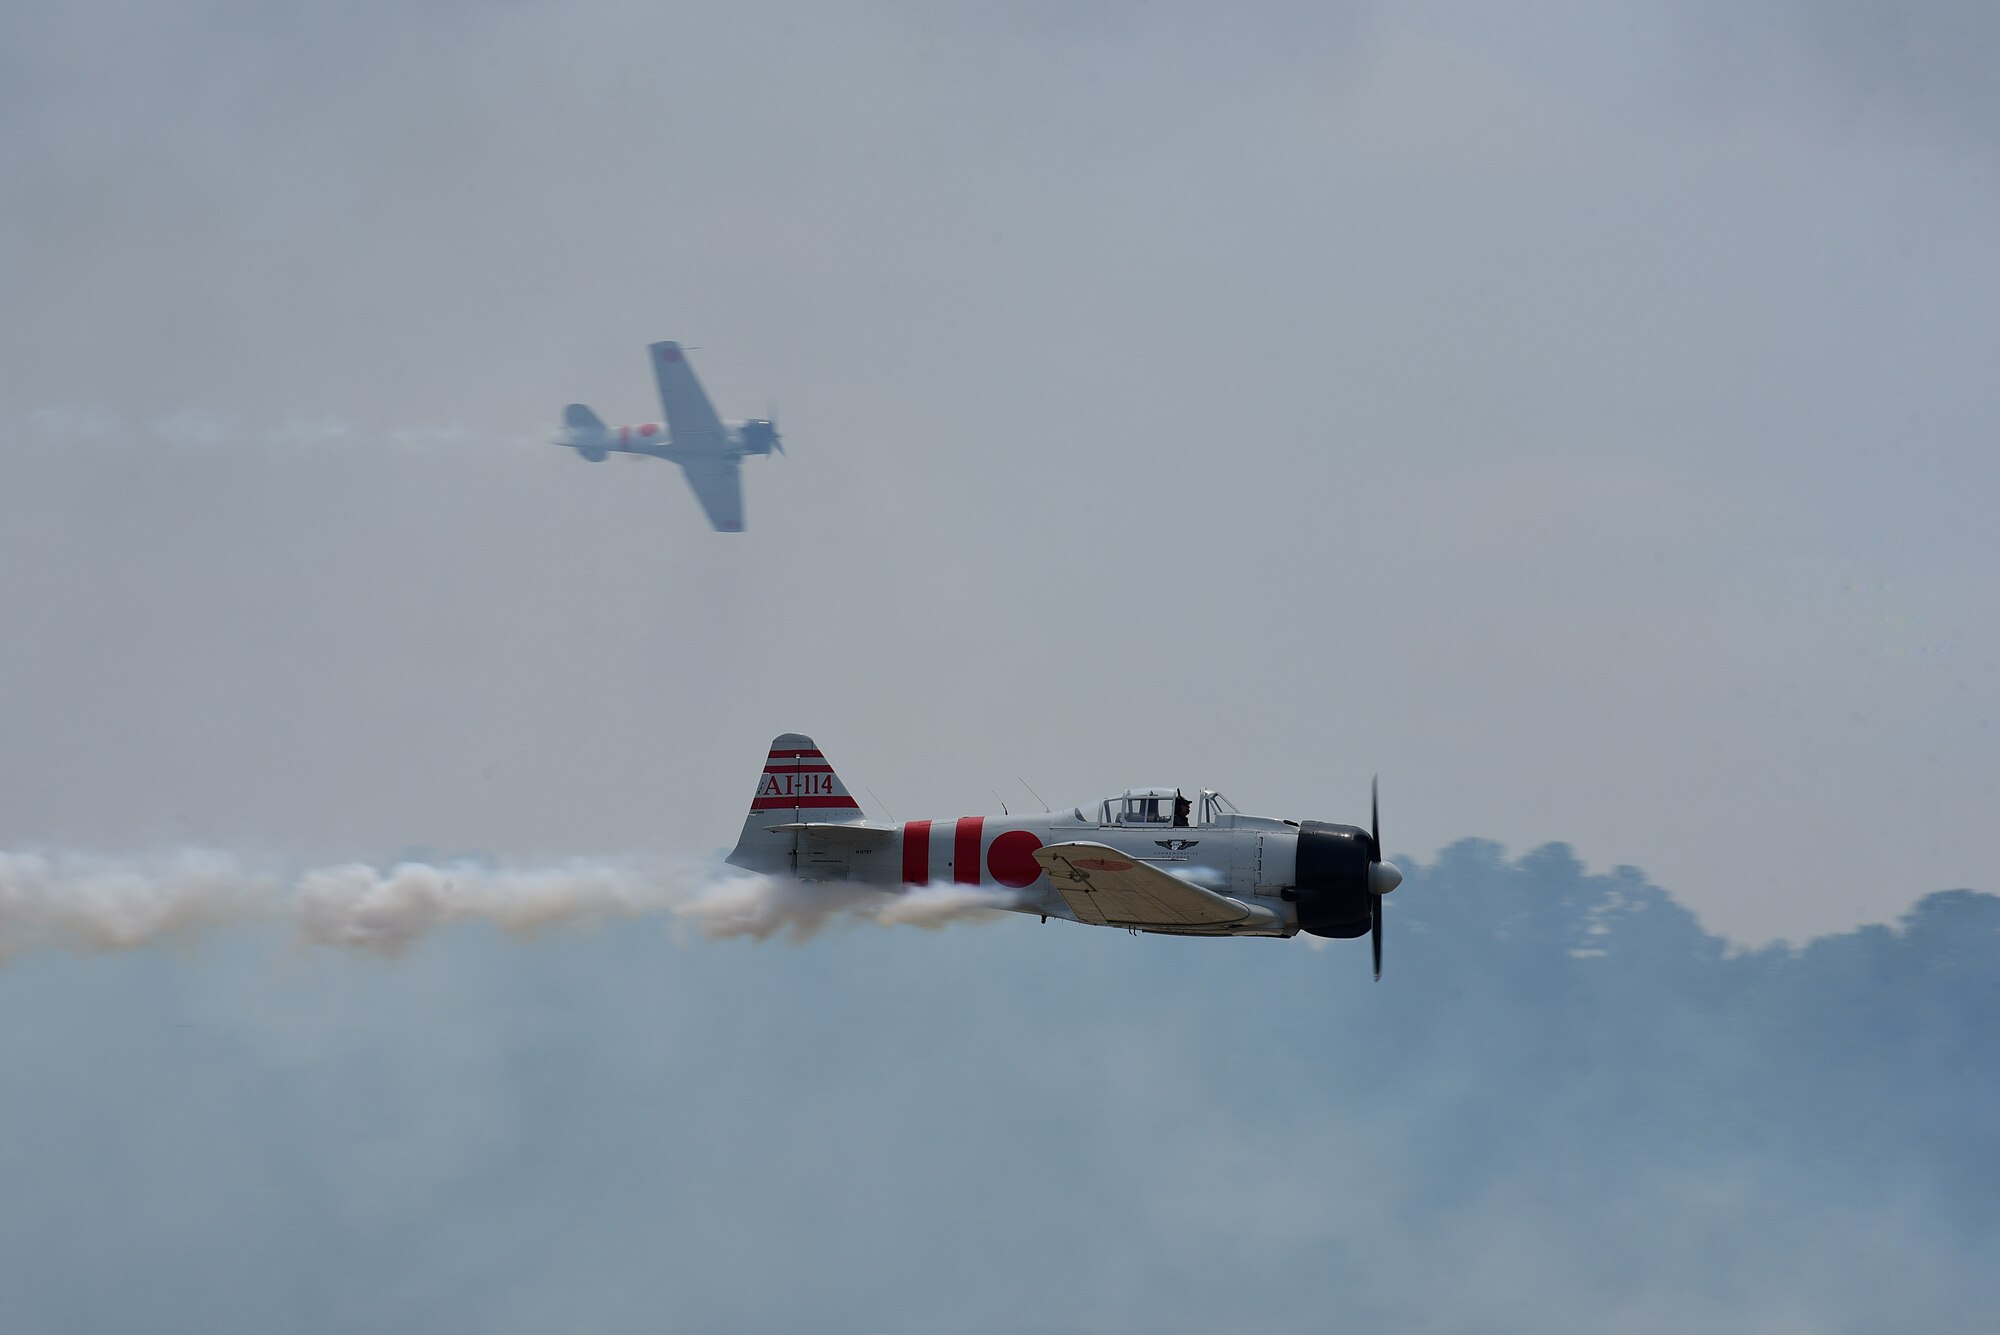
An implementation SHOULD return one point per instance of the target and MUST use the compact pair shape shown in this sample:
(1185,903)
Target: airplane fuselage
(652,440)
(1251,861)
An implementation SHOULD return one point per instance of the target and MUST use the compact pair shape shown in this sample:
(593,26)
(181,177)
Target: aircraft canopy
(1145,806)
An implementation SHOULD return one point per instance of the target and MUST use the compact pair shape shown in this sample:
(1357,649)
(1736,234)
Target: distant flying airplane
(710,453)
(1148,859)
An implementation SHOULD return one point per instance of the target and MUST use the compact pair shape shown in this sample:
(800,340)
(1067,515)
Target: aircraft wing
(691,420)
(1114,889)
(718,485)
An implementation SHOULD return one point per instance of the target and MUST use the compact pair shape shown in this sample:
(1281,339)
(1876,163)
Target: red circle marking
(1010,858)
(648,429)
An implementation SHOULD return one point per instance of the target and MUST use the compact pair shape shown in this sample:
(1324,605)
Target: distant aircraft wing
(691,419)
(1114,889)
(718,485)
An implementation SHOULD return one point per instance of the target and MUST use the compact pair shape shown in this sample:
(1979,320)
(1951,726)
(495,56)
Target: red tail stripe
(805,804)
(796,767)
(916,852)
(965,849)
(797,755)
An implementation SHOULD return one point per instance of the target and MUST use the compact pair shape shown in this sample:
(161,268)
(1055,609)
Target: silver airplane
(709,452)
(1149,859)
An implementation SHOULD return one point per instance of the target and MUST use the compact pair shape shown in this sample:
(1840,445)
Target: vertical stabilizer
(583,431)
(797,786)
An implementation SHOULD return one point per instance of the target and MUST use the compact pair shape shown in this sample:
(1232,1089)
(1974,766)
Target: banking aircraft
(1149,859)
(710,453)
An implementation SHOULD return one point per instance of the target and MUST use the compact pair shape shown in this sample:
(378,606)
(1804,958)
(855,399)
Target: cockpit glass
(1141,807)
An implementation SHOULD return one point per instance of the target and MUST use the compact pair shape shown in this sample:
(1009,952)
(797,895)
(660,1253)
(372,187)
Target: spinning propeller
(1340,878)
(1382,876)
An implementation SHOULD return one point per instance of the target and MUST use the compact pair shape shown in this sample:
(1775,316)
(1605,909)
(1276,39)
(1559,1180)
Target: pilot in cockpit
(1182,809)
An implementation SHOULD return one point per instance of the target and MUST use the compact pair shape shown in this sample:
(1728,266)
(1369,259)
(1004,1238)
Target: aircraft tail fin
(798,786)
(583,431)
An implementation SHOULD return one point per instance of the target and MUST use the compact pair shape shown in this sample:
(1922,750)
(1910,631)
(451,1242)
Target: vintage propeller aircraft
(710,453)
(1149,859)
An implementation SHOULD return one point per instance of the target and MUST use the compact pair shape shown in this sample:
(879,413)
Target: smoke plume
(761,907)
(88,903)
(200,428)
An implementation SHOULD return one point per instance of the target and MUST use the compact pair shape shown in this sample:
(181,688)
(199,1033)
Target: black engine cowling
(1332,879)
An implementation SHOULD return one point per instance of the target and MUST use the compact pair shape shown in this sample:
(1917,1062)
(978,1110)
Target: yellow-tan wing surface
(1102,885)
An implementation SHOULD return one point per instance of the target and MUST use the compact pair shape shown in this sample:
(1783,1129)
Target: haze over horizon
(1565,1107)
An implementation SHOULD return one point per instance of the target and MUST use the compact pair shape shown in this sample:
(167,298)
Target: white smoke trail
(199,428)
(933,906)
(424,436)
(761,907)
(68,421)
(85,903)
(362,907)
(191,428)
(307,432)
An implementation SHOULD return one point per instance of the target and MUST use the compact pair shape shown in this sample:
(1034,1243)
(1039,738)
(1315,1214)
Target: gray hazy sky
(1583,418)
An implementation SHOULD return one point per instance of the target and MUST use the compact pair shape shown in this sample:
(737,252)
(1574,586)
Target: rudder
(583,431)
(797,786)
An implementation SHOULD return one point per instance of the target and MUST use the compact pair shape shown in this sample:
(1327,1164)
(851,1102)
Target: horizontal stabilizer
(858,832)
